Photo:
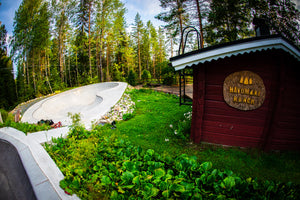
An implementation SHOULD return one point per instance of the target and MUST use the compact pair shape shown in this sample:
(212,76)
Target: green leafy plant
(104,164)
(24,126)
(132,78)
(146,76)
(116,169)
(128,116)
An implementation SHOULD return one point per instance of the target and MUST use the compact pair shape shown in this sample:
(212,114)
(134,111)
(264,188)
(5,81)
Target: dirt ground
(173,89)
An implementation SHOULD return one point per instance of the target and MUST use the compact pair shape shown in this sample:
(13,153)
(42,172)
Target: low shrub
(132,78)
(103,164)
(115,169)
(25,127)
(4,115)
(128,116)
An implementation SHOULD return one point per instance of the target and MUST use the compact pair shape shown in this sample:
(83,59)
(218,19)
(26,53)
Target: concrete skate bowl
(90,101)
(14,182)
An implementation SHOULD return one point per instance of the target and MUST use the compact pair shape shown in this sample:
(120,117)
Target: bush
(118,170)
(167,73)
(24,126)
(146,76)
(131,79)
(4,115)
(117,75)
(128,116)
(183,129)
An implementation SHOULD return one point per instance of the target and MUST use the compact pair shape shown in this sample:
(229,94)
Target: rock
(124,106)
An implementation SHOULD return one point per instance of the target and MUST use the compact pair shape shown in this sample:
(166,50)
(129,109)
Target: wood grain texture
(273,125)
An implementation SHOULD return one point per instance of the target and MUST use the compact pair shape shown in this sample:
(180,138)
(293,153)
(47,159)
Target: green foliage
(8,96)
(117,73)
(103,164)
(281,16)
(228,21)
(24,126)
(146,76)
(128,116)
(132,78)
(182,130)
(113,168)
(5,115)
(167,73)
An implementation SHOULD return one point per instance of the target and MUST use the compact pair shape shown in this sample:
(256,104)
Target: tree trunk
(97,58)
(90,60)
(70,81)
(153,63)
(100,60)
(27,70)
(24,73)
(107,63)
(60,52)
(46,73)
(180,20)
(139,56)
(33,77)
(171,46)
(77,74)
(200,24)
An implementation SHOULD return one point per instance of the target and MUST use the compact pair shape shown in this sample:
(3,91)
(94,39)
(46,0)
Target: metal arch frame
(183,45)
(182,74)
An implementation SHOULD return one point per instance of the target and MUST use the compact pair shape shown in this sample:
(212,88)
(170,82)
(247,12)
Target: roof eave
(229,50)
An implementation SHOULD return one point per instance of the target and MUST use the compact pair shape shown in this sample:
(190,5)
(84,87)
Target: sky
(146,8)
(7,13)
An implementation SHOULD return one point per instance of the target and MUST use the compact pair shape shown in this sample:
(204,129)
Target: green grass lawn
(150,128)
(150,156)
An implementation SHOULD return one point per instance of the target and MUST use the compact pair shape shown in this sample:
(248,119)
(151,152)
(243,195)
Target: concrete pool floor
(91,101)
(41,170)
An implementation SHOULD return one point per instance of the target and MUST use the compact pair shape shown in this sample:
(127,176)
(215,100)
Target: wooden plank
(287,125)
(286,134)
(198,103)
(232,129)
(233,119)
(230,140)
(284,145)
(236,113)
(223,106)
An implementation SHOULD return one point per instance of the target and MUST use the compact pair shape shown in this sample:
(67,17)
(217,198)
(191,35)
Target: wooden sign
(244,90)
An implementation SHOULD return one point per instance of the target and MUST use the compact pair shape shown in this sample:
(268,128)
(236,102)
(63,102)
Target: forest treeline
(66,43)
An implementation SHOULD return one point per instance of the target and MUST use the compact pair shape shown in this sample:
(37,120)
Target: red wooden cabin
(239,120)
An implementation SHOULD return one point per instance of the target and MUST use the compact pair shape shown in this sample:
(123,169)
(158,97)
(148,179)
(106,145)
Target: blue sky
(7,13)
(146,8)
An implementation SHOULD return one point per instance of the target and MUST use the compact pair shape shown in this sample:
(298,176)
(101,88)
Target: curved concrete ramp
(91,101)
(14,182)
(24,160)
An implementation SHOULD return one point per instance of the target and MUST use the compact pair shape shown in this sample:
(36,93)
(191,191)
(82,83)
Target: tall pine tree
(7,83)
(228,20)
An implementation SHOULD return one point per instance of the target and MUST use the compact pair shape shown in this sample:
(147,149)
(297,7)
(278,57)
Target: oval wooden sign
(244,90)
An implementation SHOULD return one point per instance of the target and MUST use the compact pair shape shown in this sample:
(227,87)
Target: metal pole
(183,86)
(180,88)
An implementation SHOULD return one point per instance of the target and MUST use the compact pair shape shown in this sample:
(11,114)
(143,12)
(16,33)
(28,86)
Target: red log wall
(272,126)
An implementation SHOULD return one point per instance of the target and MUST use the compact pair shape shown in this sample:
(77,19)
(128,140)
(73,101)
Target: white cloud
(148,9)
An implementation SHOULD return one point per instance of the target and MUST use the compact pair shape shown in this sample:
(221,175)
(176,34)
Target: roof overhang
(232,49)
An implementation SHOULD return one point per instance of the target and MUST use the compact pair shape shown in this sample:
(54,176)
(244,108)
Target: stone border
(42,172)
